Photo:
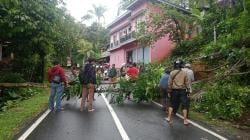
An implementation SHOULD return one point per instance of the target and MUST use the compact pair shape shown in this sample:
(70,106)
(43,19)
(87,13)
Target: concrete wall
(161,49)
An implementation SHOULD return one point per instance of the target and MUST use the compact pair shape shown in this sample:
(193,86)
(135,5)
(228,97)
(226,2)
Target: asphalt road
(140,121)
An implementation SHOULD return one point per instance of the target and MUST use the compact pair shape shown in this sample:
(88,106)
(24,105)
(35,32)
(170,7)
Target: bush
(185,48)
(225,102)
(145,88)
(11,78)
(10,95)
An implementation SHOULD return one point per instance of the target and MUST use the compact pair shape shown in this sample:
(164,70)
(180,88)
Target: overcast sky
(78,8)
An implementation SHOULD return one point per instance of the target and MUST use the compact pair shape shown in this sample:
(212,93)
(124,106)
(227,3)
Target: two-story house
(124,48)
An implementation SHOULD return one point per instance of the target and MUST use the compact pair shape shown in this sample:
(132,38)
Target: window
(120,34)
(134,55)
(129,28)
(125,31)
(139,55)
(146,55)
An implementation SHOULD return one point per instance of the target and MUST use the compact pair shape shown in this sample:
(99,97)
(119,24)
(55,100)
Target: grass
(224,127)
(13,120)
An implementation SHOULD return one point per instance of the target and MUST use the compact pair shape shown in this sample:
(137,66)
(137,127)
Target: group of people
(175,89)
(129,71)
(58,80)
(87,78)
(175,86)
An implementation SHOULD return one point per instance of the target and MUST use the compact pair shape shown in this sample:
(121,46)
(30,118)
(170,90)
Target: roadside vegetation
(32,35)
(219,40)
(22,106)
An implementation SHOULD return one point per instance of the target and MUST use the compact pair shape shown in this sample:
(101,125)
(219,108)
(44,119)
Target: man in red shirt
(58,81)
(133,72)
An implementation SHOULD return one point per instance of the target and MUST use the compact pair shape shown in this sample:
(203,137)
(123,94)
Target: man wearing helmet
(179,88)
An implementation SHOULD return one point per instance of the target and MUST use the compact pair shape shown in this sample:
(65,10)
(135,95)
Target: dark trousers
(179,96)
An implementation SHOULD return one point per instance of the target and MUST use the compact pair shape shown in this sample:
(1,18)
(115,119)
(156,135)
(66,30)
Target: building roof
(119,19)
(138,2)
(134,4)
(173,5)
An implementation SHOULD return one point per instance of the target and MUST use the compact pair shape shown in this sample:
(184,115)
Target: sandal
(186,123)
(168,120)
(91,110)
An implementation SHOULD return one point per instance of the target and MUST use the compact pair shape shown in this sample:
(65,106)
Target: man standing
(58,82)
(179,88)
(190,72)
(112,74)
(163,90)
(87,78)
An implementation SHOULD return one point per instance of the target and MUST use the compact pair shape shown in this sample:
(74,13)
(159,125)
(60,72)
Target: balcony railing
(122,40)
(116,43)
(127,37)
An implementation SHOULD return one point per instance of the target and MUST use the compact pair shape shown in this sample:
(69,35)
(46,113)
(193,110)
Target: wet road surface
(143,121)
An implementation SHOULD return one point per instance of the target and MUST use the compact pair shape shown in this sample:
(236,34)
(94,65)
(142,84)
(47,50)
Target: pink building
(124,47)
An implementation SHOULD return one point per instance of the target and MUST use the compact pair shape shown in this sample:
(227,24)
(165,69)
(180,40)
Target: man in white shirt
(189,72)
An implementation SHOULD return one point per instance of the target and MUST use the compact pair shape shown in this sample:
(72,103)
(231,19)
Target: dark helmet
(178,64)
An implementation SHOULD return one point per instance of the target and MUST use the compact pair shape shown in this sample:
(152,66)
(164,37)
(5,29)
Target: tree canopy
(39,31)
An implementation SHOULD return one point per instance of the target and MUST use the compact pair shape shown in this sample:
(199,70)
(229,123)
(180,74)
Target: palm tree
(87,17)
(98,12)
(86,50)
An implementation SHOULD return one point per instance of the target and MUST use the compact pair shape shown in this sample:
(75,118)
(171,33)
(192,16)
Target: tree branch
(239,73)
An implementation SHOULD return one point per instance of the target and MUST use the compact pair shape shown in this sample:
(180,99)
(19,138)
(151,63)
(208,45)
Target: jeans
(56,95)
(165,101)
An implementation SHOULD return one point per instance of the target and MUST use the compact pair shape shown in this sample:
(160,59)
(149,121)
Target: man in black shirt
(87,78)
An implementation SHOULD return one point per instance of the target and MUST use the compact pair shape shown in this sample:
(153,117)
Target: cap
(188,65)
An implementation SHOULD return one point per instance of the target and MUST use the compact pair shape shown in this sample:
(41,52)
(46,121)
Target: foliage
(98,37)
(8,96)
(29,33)
(185,48)
(225,101)
(74,90)
(18,114)
(39,31)
(145,88)
(98,12)
(11,78)
(147,84)
(171,22)
(222,44)
(229,54)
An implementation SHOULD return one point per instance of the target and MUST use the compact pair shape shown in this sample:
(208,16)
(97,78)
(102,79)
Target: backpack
(81,75)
